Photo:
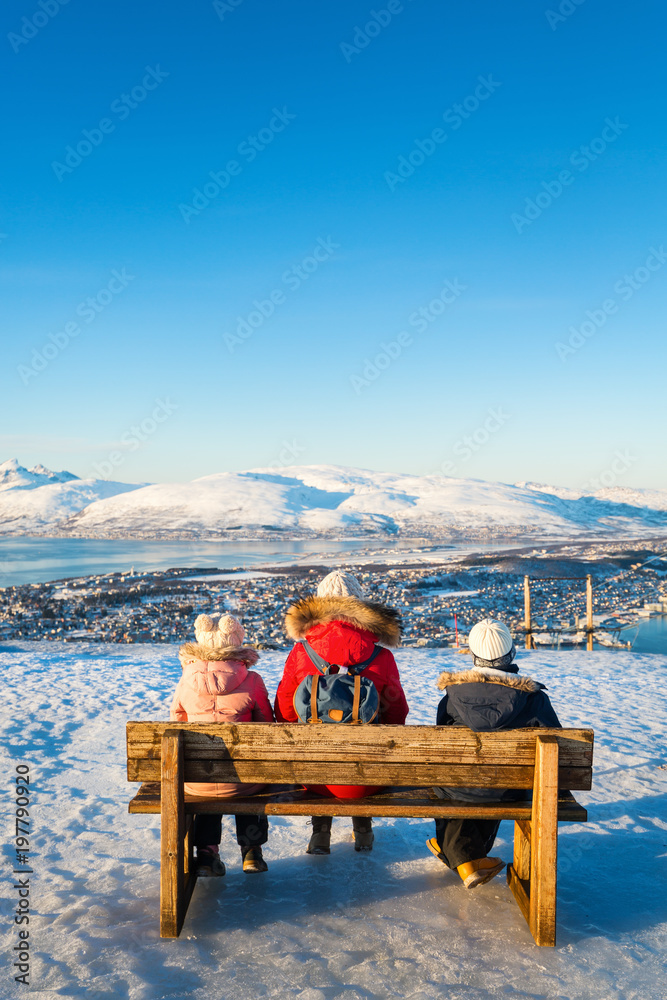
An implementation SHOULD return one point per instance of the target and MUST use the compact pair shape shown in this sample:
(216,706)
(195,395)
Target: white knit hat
(491,641)
(227,632)
(340,584)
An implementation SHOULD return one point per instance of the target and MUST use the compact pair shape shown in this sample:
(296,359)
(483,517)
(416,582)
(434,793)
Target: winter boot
(434,848)
(208,863)
(253,860)
(482,870)
(362,827)
(321,838)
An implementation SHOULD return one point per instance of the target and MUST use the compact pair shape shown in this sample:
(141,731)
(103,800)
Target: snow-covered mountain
(325,500)
(654,499)
(15,476)
(38,501)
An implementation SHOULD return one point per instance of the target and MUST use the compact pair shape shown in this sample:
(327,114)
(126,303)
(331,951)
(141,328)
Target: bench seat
(415,802)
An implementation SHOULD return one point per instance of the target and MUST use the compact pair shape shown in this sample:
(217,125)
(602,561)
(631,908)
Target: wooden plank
(172,877)
(522,848)
(366,744)
(520,890)
(146,799)
(189,846)
(569,809)
(346,772)
(190,879)
(415,802)
(544,843)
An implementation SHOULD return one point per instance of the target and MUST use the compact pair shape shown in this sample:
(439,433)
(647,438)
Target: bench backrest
(358,755)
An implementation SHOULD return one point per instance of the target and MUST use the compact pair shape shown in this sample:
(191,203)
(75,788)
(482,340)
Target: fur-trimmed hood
(192,651)
(383,622)
(487,675)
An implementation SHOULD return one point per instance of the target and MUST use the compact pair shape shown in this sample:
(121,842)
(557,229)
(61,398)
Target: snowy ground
(392,924)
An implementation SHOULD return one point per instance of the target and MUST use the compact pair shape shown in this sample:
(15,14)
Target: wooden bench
(410,759)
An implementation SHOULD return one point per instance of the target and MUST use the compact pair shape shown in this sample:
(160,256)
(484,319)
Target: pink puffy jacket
(217,686)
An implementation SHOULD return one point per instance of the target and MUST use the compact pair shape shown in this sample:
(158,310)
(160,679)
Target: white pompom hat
(228,631)
(338,583)
(491,645)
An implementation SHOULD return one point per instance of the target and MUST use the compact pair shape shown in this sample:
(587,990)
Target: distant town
(438,602)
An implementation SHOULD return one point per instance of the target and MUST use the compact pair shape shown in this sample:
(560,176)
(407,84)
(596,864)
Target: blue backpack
(327,697)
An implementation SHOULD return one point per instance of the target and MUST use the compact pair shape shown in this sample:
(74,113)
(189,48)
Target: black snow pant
(251,831)
(462,840)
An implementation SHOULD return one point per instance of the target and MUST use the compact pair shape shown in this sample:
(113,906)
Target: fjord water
(36,560)
(651,636)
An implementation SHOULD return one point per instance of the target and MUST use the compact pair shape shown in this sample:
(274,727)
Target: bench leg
(189,850)
(518,873)
(532,876)
(522,848)
(544,844)
(175,885)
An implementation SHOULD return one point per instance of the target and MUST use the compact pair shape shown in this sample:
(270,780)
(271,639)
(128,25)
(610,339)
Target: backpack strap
(323,666)
(357,699)
(313,700)
(358,668)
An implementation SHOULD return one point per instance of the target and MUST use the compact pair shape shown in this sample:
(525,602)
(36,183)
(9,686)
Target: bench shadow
(296,889)
(612,870)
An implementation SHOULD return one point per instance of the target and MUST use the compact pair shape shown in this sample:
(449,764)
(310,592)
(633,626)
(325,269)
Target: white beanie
(227,632)
(490,641)
(340,584)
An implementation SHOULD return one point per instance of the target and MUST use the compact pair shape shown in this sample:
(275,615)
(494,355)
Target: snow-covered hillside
(15,476)
(325,500)
(35,501)
(390,925)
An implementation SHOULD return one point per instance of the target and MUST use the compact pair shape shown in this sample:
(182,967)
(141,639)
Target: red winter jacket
(344,631)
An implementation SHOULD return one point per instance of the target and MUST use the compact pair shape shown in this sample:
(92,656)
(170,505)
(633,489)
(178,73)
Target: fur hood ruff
(195,651)
(382,621)
(487,675)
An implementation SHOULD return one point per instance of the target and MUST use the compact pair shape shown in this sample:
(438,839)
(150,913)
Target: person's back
(217,685)
(485,699)
(343,628)
(488,697)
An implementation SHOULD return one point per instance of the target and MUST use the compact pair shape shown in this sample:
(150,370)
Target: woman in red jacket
(343,628)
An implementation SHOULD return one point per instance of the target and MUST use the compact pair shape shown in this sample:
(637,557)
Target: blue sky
(351,193)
